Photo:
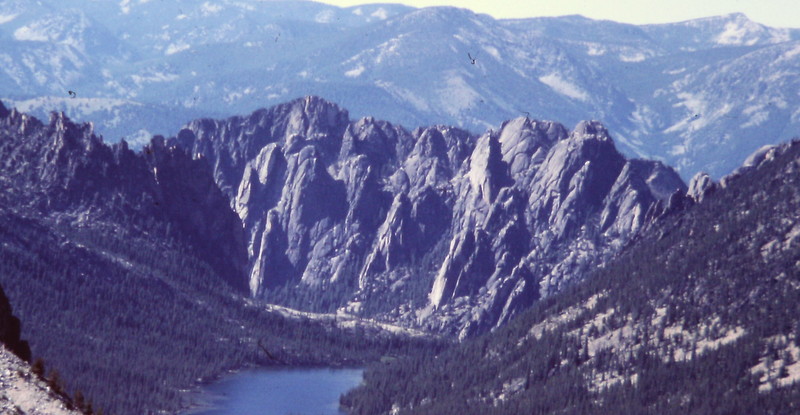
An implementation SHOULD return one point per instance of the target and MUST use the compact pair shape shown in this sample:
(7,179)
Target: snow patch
(381,14)
(564,87)
(758,115)
(675,71)
(355,72)
(595,49)
(591,303)
(781,372)
(613,338)
(388,48)
(75,107)
(153,77)
(176,47)
(634,57)
(553,322)
(325,16)
(26,33)
(237,95)
(735,34)
(5,18)
(788,55)
(493,51)
(209,8)
(125,6)
(678,149)
(604,380)
(699,114)
(728,337)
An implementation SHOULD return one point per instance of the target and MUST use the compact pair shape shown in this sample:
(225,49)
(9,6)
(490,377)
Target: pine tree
(79,400)
(38,368)
(54,381)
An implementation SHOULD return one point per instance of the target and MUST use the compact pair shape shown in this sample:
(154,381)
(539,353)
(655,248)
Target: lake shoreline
(289,388)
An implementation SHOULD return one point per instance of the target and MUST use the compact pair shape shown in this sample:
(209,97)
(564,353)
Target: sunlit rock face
(434,227)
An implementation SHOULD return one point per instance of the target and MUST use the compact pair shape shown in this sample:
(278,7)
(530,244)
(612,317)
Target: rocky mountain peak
(590,130)
(488,173)
(436,227)
(67,173)
(700,184)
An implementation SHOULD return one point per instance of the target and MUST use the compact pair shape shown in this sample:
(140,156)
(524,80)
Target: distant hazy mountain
(699,95)
(698,315)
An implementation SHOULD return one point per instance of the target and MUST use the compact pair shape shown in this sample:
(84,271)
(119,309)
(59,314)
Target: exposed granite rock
(435,228)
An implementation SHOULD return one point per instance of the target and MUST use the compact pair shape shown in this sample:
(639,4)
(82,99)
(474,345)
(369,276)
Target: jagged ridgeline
(435,227)
(64,171)
(129,271)
(700,315)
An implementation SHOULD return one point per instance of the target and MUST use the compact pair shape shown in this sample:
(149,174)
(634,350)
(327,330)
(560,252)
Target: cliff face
(435,227)
(703,305)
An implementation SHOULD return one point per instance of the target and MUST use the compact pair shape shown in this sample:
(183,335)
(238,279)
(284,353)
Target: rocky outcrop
(435,227)
(700,185)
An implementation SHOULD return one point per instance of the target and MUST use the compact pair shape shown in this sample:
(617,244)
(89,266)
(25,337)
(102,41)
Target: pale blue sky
(776,13)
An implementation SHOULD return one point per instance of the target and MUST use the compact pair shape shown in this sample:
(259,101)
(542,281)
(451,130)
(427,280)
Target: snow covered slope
(699,95)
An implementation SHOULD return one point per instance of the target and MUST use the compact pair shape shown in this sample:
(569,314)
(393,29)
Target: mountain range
(128,270)
(170,210)
(669,92)
(111,257)
(699,314)
(298,205)
(434,228)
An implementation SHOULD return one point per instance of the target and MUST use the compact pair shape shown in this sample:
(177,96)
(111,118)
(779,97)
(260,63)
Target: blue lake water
(278,392)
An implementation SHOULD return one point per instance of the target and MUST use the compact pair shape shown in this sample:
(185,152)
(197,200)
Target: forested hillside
(24,390)
(700,314)
(124,268)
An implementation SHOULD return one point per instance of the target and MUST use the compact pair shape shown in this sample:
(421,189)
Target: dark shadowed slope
(128,270)
(700,314)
